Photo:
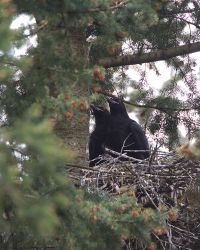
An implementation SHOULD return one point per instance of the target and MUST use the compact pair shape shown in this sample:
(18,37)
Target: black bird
(98,136)
(125,135)
(92,31)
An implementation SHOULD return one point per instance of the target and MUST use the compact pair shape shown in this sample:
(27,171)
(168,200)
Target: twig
(81,167)
(123,155)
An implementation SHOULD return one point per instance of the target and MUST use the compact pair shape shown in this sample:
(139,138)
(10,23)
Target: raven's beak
(111,100)
(93,107)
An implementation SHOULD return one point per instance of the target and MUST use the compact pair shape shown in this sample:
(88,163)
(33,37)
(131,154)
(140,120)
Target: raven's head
(100,113)
(117,106)
(92,31)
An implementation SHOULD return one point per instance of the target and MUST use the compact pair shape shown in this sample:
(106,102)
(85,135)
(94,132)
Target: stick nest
(165,179)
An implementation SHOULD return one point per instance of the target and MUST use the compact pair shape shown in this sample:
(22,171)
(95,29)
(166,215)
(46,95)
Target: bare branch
(158,55)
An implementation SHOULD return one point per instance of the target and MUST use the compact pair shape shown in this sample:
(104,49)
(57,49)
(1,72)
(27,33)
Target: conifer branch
(178,11)
(100,9)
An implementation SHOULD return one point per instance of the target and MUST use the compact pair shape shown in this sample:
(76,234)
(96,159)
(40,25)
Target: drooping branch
(189,22)
(158,55)
(164,109)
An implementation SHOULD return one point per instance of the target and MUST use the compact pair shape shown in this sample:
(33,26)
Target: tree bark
(74,133)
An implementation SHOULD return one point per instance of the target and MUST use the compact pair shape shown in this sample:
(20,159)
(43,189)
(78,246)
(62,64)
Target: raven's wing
(117,133)
(96,148)
(137,140)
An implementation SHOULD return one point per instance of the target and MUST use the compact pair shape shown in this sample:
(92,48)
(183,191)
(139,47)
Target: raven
(125,135)
(98,136)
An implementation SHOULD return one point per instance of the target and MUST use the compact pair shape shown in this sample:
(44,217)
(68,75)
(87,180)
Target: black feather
(98,136)
(125,135)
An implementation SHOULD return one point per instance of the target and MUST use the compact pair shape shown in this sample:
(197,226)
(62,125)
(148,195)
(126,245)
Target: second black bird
(125,135)
(99,134)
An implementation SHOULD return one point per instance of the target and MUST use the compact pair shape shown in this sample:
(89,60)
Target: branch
(178,11)
(148,106)
(158,55)
(122,155)
(80,167)
(189,22)
(100,9)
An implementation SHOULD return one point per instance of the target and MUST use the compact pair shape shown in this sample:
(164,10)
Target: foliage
(39,205)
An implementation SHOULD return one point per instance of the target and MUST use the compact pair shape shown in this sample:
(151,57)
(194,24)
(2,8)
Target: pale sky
(23,21)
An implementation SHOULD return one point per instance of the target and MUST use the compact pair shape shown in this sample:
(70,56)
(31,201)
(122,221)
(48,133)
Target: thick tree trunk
(75,132)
